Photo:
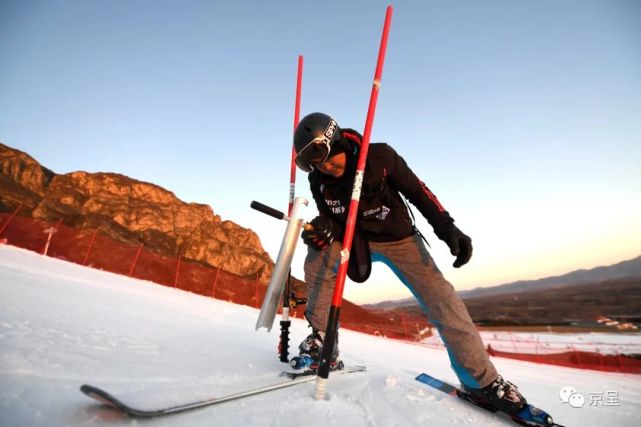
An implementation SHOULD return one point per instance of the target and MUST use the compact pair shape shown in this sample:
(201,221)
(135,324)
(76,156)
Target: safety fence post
(91,242)
(576,353)
(50,232)
(177,272)
(133,264)
(4,227)
(257,284)
(213,288)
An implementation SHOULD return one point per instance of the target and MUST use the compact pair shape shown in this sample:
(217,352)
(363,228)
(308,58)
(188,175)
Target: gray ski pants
(411,262)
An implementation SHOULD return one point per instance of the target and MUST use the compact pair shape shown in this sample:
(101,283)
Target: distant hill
(630,268)
(626,269)
(564,306)
(579,304)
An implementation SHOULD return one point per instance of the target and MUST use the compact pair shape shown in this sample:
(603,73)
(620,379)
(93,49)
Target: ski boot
(310,353)
(501,395)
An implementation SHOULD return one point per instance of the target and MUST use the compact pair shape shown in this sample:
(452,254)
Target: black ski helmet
(313,139)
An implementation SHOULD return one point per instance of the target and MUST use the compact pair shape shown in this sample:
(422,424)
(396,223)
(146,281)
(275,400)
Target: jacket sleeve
(401,177)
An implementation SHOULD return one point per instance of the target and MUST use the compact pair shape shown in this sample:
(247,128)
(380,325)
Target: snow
(62,325)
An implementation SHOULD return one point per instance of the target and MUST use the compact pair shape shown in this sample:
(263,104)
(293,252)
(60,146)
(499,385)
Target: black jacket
(382,214)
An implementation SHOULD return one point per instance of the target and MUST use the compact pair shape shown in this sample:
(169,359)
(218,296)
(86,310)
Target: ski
(109,399)
(528,416)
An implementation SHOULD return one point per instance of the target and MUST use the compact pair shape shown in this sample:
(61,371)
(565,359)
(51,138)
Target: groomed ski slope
(62,325)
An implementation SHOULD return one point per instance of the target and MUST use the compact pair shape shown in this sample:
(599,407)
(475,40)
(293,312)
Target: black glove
(460,245)
(321,234)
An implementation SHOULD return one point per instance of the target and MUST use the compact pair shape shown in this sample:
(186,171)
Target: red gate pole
(292,172)
(334,312)
(283,343)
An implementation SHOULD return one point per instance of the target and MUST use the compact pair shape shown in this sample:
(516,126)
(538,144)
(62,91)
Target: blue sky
(523,117)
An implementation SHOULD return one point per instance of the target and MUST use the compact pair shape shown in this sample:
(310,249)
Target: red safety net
(90,248)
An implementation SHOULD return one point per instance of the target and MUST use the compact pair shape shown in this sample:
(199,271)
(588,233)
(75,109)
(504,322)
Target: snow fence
(89,248)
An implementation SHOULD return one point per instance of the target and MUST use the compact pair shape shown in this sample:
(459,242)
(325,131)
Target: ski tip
(99,395)
(89,389)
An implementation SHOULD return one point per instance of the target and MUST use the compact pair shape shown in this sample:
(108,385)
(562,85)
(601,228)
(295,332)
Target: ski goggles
(314,153)
(317,151)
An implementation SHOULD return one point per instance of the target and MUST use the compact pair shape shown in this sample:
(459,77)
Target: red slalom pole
(292,175)
(334,312)
(283,345)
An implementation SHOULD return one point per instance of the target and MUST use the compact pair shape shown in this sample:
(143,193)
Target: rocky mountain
(135,212)
(130,211)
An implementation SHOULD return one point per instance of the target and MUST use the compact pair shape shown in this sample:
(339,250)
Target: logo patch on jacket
(381,212)
(335,206)
(384,212)
(371,212)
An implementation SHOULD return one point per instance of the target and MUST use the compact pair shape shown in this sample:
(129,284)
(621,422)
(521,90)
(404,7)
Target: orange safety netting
(88,247)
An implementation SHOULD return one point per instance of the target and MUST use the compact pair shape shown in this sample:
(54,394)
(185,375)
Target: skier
(385,232)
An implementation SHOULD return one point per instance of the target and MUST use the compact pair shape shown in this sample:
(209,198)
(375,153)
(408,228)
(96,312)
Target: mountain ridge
(630,268)
(130,211)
